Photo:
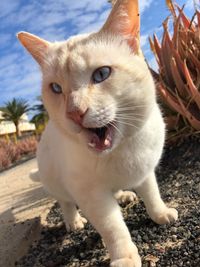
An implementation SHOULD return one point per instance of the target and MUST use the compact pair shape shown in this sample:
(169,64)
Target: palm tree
(41,117)
(13,110)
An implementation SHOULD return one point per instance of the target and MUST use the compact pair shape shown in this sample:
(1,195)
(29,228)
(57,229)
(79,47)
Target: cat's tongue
(101,143)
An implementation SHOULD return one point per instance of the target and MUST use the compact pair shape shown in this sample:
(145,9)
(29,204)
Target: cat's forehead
(63,53)
(77,50)
(75,40)
(91,50)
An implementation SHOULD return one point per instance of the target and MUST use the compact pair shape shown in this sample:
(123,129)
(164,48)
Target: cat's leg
(155,206)
(103,211)
(72,218)
(124,197)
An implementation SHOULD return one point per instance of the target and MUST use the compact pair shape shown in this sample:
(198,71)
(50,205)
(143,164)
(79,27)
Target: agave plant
(178,77)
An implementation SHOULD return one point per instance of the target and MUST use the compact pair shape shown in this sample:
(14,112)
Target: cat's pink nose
(77,116)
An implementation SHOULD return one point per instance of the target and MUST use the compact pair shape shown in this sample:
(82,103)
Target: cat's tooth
(91,144)
(107,142)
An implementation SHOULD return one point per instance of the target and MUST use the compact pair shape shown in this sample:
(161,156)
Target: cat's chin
(100,139)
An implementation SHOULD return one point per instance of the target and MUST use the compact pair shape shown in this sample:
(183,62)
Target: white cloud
(144,40)
(104,15)
(190,4)
(53,34)
(7,7)
(52,20)
(91,27)
(84,20)
(144,4)
(5,38)
(95,5)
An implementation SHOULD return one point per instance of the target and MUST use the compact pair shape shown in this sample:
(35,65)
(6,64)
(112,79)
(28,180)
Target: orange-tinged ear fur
(124,19)
(36,46)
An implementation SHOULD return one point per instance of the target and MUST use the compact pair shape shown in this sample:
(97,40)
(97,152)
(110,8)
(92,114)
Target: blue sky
(56,20)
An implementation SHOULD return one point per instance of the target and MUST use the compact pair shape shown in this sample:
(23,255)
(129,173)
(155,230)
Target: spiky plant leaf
(178,77)
(170,5)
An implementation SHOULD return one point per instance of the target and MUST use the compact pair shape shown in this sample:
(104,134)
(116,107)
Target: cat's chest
(128,169)
(120,170)
(68,165)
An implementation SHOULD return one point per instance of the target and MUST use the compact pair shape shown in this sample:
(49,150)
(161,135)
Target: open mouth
(101,138)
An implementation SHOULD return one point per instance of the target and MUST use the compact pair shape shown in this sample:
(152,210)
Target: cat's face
(96,87)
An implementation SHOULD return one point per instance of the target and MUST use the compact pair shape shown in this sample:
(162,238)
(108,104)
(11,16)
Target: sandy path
(23,205)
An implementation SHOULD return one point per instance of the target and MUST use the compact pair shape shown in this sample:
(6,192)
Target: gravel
(172,245)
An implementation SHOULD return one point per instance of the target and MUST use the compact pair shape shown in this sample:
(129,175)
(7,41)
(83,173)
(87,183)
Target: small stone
(82,255)
(173,229)
(145,238)
(174,238)
(196,255)
(198,188)
(180,176)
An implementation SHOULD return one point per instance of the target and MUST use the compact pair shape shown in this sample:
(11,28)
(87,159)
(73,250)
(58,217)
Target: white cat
(105,132)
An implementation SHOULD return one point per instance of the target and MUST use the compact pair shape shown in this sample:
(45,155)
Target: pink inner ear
(124,19)
(36,46)
(133,28)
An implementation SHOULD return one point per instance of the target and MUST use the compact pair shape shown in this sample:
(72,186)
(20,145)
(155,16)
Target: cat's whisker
(127,102)
(129,109)
(133,112)
(116,128)
(130,115)
(127,115)
(130,119)
(126,123)
(135,122)
(130,104)
(127,105)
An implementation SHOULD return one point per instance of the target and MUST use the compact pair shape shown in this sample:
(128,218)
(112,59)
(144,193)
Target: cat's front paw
(127,257)
(168,215)
(126,262)
(124,197)
(77,224)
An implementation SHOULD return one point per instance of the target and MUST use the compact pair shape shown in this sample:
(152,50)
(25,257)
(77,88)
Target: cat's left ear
(124,20)
(36,46)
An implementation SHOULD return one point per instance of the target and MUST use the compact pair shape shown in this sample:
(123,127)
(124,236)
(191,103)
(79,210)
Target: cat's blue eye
(56,88)
(101,74)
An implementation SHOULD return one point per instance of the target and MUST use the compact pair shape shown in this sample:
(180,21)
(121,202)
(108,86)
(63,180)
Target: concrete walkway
(23,207)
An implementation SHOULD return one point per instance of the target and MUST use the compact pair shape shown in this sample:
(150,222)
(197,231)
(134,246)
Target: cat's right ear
(36,46)
(124,20)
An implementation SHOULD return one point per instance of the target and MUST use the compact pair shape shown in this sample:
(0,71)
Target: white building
(8,127)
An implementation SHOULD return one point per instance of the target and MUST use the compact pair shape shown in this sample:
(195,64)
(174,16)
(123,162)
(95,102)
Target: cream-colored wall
(7,127)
